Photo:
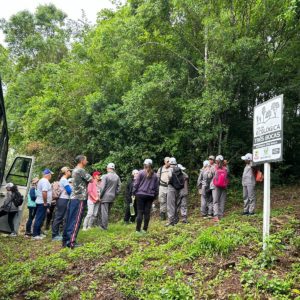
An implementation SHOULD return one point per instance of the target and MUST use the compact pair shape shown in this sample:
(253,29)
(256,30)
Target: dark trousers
(50,214)
(128,217)
(144,205)
(31,215)
(59,216)
(73,221)
(10,218)
(40,215)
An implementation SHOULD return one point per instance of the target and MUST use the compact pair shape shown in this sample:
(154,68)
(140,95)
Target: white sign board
(268,131)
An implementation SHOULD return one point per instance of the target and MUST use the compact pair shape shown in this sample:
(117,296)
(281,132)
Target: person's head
(148,167)
(34,181)
(134,174)
(9,186)
(167,162)
(173,162)
(206,163)
(220,161)
(66,171)
(247,158)
(111,167)
(81,160)
(96,175)
(47,174)
(211,159)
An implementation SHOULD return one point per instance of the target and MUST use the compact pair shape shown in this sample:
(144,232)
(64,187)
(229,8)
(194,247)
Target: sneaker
(216,219)
(143,231)
(251,214)
(76,245)
(185,221)
(13,234)
(43,235)
(57,238)
(139,233)
(102,228)
(37,237)
(84,229)
(210,216)
(169,224)
(245,213)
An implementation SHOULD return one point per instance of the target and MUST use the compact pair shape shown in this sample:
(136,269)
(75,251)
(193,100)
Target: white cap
(148,161)
(9,185)
(173,161)
(134,172)
(181,167)
(248,156)
(205,163)
(220,157)
(111,166)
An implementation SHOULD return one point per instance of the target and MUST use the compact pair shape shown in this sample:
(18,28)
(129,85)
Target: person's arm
(156,186)
(32,194)
(136,184)
(68,189)
(119,186)
(45,188)
(103,186)
(199,181)
(92,191)
(86,176)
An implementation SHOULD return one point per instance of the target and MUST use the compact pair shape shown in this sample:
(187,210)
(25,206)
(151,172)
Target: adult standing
(145,189)
(43,201)
(61,203)
(130,199)
(77,203)
(183,194)
(93,201)
(175,184)
(163,187)
(220,182)
(248,183)
(110,187)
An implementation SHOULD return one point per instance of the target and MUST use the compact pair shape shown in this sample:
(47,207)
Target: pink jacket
(93,194)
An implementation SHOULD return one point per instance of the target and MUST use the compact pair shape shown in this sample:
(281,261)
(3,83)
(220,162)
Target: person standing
(145,189)
(43,201)
(204,185)
(183,194)
(248,183)
(175,184)
(130,199)
(220,183)
(61,203)
(31,205)
(110,187)
(93,201)
(77,202)
(163,188)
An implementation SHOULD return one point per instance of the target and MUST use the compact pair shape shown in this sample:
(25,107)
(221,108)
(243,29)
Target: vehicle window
(20,171)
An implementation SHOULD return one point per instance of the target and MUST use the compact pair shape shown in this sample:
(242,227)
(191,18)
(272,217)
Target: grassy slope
(195,261)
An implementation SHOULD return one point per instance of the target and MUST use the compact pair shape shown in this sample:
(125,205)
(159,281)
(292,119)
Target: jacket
(248,176)
(184,192)
(31,197)
(129,190)
(93,194)
(146,186)
(8,204)
(110,187)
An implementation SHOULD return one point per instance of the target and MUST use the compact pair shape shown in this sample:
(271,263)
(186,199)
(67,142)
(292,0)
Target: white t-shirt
(43,186)
(63,183)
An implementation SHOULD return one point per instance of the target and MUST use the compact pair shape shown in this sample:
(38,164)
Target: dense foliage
(151,78)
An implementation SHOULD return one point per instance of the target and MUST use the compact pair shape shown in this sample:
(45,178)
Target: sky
(71,7)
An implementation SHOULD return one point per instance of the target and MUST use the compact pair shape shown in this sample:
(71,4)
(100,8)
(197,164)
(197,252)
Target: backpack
(17,199)
(177,179)
(259,177)
(221,178)
(56,190)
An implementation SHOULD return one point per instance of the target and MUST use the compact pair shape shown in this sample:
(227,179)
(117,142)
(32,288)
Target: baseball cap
(134,172)
(173,161)
(211,157)
(205,163)
(166,159)
(9,185)
(148,161)
(47,172)
(248,156)
(96,173)
(180,166)
(111,166)
(220,157)
(64,170)
(35,180)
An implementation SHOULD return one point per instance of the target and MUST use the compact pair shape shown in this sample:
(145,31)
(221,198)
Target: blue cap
(47,172)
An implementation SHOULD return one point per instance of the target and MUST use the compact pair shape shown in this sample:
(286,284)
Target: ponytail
(149,171)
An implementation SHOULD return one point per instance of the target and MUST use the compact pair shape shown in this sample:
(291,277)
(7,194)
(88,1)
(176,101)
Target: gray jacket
(110,187)
(8,204)
(248,176)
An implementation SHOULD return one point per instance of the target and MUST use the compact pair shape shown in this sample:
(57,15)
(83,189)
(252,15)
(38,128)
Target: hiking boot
(163,216)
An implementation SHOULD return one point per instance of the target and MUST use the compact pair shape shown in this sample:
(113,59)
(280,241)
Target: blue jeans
(73,221)
(40,215)
(31,215)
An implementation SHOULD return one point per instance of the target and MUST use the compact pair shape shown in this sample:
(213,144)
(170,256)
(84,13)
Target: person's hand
(46,204)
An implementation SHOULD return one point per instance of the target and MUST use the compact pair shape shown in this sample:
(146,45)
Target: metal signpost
(268,147)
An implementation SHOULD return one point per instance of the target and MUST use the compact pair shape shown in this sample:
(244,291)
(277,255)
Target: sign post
(267,148)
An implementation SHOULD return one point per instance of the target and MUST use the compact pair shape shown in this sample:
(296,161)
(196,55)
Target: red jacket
(93,193)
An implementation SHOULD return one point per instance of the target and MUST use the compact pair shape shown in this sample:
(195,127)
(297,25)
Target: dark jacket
(129,189)
(146,186)
(8,204)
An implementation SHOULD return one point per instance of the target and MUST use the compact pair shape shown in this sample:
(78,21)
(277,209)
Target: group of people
(77,189)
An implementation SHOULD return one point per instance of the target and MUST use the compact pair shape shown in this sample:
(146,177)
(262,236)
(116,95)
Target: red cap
(96,173)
